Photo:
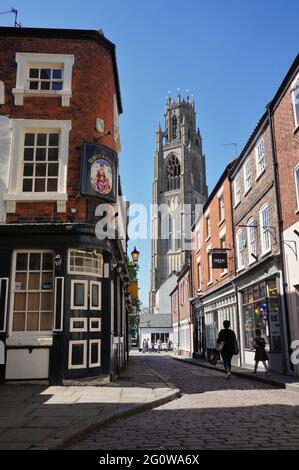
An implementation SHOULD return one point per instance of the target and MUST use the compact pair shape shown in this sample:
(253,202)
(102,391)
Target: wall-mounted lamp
(135,255)
(57,261)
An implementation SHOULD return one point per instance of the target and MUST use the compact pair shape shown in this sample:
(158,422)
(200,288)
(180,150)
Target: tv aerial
(15,12)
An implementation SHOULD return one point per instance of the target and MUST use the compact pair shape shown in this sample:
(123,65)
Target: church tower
(179,181)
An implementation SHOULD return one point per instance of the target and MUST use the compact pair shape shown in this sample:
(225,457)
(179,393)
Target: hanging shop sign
(98,172)
(219,260)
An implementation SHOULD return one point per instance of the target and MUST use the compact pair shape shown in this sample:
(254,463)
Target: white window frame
(237,189)
(294,91)
(84,273)
(99,327)
(198,273)
(78,330)
(240,252)
(296,170)
(19,128)
(247,175)
(208,225)
(26,60)
(259,171)
(221,208)
(79,307)
(84,364)
(251,228)
(265,250)
(210,270)
(31,336)
(95,364)
(99,285)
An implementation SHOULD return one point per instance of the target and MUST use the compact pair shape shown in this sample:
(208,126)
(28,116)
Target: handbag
(213,357)
(219,346)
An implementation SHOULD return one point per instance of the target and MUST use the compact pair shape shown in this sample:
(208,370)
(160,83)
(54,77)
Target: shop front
(261,310)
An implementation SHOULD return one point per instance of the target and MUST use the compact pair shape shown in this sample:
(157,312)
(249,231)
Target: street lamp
(135,255)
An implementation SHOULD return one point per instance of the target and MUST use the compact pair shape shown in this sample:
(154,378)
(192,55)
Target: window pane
(20,302)
(18,322)
(45,73)
(22,260)
(48,261)
(27,185)
(53,140)
(28,170)
(47,281)
(40,169)
(28,154)
(33,301)
(41,140)
(53,169)
(57,74)
(33,73)
(21,281)
(35,262)
(53,154)
(32,321)
(79,290)
(40,185)
(40,154)
(46,321)
(47,301)
(94,353)
(57,86)
(45,85)
(33,283)
(29,140)
(52,185)
(33,85)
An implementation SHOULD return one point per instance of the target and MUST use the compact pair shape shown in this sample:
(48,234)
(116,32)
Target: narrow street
(212,413)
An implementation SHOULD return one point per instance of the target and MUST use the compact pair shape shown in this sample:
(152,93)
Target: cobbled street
(212,413)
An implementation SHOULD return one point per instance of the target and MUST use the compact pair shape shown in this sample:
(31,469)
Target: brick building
(181,313)
(62,304)
(214,293)
(259,279)
(284,118)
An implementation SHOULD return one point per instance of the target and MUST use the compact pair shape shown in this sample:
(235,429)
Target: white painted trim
(297,185)
(84,364)
(237,177)
(240,267)
(99,320)
(247,188)
(264,251)
(78,330)
(6,300)
(19,128)
(26,60)
(62,302)
(79,307)
(99,306)
(95,364)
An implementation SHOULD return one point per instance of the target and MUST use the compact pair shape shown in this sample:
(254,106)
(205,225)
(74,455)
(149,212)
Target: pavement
(40,417)
(212,413)
(277,380)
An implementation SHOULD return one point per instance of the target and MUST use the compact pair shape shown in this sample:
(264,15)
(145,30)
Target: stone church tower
(179,180)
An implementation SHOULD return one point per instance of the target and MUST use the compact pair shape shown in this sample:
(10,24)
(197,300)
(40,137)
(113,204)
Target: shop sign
(98,172)
(219,260)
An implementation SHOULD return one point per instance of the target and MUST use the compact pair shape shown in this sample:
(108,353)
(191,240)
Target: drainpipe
(287,336)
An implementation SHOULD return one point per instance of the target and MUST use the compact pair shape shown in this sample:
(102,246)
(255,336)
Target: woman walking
(228,346)
(259,345)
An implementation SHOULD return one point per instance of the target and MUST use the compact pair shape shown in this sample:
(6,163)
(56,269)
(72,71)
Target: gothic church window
(174,128)
(173,173)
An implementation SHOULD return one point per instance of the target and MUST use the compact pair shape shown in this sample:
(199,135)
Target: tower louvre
(179,180)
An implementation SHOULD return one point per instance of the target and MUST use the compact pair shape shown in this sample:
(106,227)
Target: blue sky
(231,55)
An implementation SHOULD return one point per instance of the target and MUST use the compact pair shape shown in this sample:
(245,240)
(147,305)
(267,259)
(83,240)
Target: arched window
(173,173)
(174,128)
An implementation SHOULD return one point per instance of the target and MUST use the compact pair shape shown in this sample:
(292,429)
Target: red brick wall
(287,151)
(93,88)
(214,241)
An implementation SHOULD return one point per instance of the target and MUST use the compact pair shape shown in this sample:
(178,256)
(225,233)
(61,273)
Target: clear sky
(231,55)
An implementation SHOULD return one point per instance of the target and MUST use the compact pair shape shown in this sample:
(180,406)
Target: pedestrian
(259,345)
(227,344)
(159,345)
(144,346)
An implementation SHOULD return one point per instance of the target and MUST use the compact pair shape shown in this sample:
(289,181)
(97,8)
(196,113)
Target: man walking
(228,346)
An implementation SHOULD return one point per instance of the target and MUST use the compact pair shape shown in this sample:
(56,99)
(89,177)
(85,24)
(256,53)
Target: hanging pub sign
(219,260)
(98,172)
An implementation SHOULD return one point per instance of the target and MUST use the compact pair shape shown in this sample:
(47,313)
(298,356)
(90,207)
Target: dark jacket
(229,338)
